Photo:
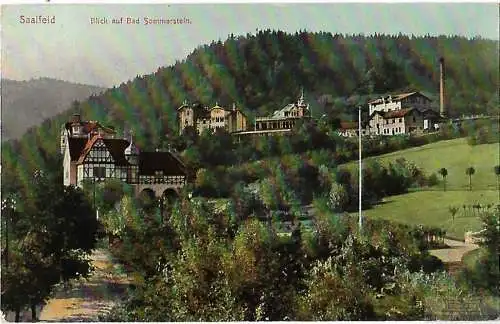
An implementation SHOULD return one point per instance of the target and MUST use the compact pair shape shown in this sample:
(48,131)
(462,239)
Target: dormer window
(77,129)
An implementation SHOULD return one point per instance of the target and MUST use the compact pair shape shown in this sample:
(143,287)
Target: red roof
(90,126)
(88,146)
(398,113)
(348,125)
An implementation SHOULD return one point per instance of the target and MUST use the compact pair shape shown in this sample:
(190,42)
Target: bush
(484,135)
(338,198)
(432,180)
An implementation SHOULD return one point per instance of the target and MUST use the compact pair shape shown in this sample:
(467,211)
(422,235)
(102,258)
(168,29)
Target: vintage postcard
(264,161)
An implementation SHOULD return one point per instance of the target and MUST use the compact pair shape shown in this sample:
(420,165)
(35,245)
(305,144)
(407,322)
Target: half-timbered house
(94,155)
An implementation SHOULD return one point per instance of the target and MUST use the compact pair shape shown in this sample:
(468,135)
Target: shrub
(432,180)
(338,197)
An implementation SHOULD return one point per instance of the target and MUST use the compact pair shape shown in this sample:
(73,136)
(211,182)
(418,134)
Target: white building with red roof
(402,114)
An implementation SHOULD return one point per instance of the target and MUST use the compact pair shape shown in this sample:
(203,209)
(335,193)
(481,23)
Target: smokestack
(442,110)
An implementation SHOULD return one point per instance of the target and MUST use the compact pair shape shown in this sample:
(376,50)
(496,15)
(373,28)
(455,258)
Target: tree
(485,274)
(338,198)
(470,171)
(497,172)
(55,234)
(324,281)
(453,211)
(443,172)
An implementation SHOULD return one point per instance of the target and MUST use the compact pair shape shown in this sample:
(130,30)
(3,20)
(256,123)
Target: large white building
(402,114)
(201,118)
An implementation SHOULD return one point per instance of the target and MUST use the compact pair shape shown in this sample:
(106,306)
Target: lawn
(454,155)
(430,208)
(470,259)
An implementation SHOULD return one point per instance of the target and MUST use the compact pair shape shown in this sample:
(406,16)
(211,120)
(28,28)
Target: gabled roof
(398,97)
(218,107)
(348,125)
(150,162)
(281,112)
(76,146)
(91,126)
(88,147)
(398,113)
(115,146)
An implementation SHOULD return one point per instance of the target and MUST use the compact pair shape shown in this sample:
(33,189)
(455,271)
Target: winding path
(88,298)
(452,256)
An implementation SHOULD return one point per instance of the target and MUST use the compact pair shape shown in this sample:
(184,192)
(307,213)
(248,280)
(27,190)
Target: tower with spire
(302,105)
(132,156)
(132,152)
(186,116)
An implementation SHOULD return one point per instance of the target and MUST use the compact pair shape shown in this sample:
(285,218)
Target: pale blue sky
(72,49)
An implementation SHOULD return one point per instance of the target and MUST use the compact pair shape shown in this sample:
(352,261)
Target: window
(99,172)
(400,120)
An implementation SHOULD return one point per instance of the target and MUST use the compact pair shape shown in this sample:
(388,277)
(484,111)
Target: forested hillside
(28,103)
(265,71)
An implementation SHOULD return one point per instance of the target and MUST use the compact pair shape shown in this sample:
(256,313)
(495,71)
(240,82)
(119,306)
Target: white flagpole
(360,165)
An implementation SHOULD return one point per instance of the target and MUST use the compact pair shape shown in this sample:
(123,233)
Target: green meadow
(456,156)
(431,207)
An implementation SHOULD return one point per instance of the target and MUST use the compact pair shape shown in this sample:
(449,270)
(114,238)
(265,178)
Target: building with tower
(201,118)
(281,121)
(94,153)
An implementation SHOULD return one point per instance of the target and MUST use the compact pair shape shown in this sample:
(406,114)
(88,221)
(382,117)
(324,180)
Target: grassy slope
(454,155)
(431,207)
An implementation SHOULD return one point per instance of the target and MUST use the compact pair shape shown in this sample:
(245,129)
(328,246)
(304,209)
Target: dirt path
(455,252)
(88,298)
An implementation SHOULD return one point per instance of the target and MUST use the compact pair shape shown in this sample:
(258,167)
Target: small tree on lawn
(443,172)
(470,171)
(453,211)
(338,197)
(497,172)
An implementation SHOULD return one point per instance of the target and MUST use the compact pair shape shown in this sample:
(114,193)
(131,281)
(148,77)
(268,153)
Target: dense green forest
(265,71)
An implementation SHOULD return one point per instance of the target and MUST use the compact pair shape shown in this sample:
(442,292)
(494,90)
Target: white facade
(400,101)
(232,120)
(401,114)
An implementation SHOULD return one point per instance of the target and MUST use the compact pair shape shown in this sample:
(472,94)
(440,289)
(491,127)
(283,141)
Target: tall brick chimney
(442,109)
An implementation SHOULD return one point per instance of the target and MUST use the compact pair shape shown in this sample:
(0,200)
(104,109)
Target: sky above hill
(72,48)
